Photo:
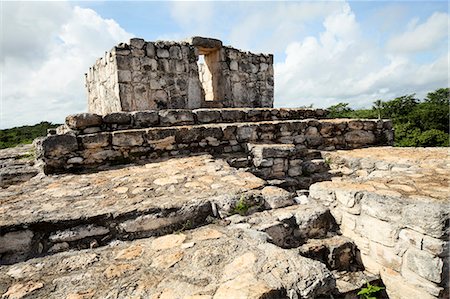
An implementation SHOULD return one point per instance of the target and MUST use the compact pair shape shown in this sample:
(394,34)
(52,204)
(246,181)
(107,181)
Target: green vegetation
(369,292)
(23,135)
(416,122)
(241,206)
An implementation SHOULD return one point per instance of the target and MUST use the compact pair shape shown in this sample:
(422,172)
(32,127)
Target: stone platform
(182,134)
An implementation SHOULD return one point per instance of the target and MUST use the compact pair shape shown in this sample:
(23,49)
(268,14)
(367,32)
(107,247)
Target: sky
(325,52)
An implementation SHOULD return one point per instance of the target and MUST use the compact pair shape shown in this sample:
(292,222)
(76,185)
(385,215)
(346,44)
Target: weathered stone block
(83,120)
(208,116)
(128,138)
(386,256)
(381,207)
(145,119)
(18,241)
(360,137)
(58,145)
(427,218)
(424,264)
(246,133)
(275,197)
(78,233)
(377,230)
(138,43)
(95,140)
(120,118)
(176,117)
(162,53)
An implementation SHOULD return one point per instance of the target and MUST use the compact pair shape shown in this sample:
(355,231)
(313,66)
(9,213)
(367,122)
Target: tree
(378,106)
(400,107)
(339,110)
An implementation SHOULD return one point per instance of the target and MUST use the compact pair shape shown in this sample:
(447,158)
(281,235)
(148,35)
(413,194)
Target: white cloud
(273,25)
(341,66)
(422,37)
(43,70)
(197,16)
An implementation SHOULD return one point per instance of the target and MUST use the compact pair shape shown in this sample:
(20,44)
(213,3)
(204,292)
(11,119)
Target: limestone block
(120,118)
(312,136)
(321,191)
(138,43)
(355,125)
(145,119)
(162,53)
(386,256)
(295,171)
(382,207)
(150,49)
(246,133)
(398,287)
(205,43)
(275,197)
(128,138)
(424,264)
(57,145)
(175,52)
(96,140)
(124,76)
(176,117)
(417,240)
(18,241)
(233,115)
(359,137)
(83,120)
(207,116)
(427,218)
(78,233)
(420,282)
(376,230)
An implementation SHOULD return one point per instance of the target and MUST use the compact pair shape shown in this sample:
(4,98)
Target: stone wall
(165,75)
(395,209)
(88,123)
(68,151)
(145,75)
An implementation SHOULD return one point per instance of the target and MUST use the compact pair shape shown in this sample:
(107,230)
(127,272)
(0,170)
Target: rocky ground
(196,227)
(17,165)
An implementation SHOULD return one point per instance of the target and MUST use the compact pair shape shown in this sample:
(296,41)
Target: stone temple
(165,75)
(183,181)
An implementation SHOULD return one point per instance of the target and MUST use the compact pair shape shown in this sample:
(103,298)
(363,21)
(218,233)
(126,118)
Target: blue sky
(325,52)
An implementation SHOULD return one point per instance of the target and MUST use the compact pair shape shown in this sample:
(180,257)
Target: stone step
(291,226)
(62,153)
(207,262)
(337,252)
(58,213)
(87,123)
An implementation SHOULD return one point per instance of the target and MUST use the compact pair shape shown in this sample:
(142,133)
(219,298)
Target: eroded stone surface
(17,165)
(229,261)
(124,203)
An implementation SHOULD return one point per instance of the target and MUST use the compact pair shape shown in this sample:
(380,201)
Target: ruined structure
(237,201)
(165,75)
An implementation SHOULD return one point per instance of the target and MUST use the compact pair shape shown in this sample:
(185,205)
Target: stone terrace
(90,140)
